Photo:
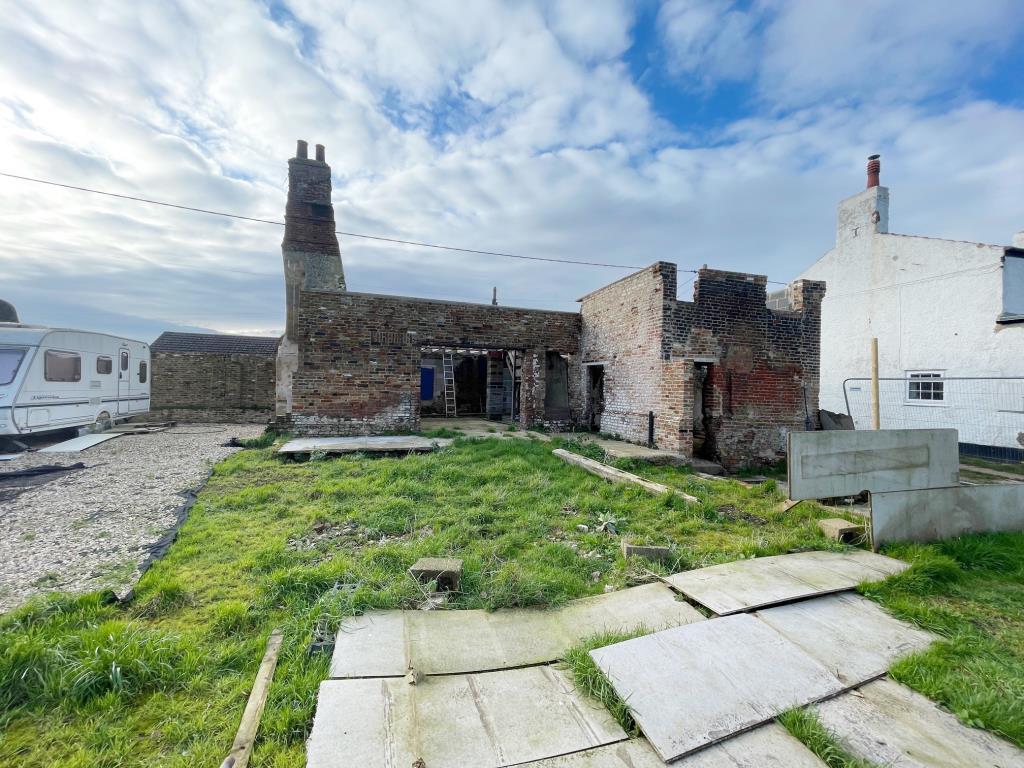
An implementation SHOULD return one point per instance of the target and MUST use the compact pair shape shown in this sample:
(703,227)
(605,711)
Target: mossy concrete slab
(696,685)
(389,643)
(768,746)
(851,636)
(744,585)
(482,720)
(891,725)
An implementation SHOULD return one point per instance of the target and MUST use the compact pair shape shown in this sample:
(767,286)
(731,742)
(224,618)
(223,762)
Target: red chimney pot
(874,169)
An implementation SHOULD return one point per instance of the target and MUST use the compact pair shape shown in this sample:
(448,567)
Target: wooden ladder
(448,376)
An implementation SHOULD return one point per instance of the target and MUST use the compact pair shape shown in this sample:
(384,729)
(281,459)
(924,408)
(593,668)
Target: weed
(805,726)
(591,680)
(263,441)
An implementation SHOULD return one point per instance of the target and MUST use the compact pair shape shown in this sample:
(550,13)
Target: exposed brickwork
(208,387)
(359,356)
(763,363)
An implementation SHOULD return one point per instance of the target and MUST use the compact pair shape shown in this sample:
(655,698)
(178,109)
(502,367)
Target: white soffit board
(845,462)
(944,513)
(851,636)
(76,444)
(692,686)
(384,444)
(485,721)
(388,643)
(744,585)
(768,746)
(891,725)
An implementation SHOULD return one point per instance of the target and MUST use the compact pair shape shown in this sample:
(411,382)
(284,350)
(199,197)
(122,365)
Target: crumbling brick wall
(209,387)
(359,357)
(763,364)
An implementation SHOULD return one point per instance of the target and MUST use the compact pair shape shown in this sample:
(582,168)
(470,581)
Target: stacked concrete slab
(913,478)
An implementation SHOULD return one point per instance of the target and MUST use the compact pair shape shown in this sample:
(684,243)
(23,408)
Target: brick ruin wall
(764,364)
(359,358)
(212,388)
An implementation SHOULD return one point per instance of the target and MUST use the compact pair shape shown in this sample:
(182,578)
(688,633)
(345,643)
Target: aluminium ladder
(448,376)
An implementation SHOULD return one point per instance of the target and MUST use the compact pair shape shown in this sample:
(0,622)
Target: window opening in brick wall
(704,407)
(925,388)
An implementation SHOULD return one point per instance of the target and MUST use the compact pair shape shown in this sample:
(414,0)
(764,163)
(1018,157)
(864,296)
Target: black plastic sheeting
(16,482)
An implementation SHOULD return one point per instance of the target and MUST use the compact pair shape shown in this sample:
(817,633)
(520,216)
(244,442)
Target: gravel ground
(93,528)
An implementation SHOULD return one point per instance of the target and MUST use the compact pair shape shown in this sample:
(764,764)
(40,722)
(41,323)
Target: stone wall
(209,387)
(763,364)
(359,357)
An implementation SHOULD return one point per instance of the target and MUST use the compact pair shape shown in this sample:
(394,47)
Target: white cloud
(501,126)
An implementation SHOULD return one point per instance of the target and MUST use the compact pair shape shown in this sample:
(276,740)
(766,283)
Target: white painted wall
(933,304)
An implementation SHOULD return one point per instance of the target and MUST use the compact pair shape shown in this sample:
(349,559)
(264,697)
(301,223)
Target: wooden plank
(617,475)
(238,757)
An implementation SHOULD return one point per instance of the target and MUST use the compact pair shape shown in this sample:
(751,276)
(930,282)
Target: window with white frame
(925,388)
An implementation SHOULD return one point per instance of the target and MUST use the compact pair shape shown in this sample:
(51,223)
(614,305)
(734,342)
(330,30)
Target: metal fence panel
(988,412)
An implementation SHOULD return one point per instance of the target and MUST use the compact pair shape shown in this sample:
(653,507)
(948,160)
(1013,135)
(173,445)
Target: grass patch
(805,726)
(970,591)
(163,680)
(263,441)
(592,681)
(1012,467)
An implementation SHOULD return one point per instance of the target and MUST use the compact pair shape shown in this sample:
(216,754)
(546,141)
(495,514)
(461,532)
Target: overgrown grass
(163,681)
(1013,467)
(970,591)
(591,680)
(805,726)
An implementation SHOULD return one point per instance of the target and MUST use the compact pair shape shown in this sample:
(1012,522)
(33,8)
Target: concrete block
(826,465)
(943,513)
(838,529)
(660,554)
(446,571)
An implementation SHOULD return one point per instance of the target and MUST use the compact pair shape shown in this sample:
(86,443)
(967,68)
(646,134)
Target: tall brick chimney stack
(312,257)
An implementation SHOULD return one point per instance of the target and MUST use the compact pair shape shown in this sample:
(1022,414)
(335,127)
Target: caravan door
(124,370)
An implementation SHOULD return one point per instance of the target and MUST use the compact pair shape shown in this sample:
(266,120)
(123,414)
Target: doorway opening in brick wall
(595,395)
(704,406)
(480,382)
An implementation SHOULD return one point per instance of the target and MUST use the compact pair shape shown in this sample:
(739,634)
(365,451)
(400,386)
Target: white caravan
(55,378)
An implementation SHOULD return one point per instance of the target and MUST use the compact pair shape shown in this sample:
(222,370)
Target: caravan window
(62,366)
(124,360)
(104,364)
(142,372)
(10,360)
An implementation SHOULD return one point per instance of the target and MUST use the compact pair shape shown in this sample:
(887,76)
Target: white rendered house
(949,318)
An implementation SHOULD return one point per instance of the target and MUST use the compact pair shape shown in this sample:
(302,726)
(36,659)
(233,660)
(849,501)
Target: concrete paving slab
(891,725)
(944,513)
(845,463)
(744,585)
(387,643)
(851,636)
(482,720)
(736,672)
(80,443)
(768,746)
(381,444)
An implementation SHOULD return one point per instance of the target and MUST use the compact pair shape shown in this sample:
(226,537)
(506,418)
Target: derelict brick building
(723,375)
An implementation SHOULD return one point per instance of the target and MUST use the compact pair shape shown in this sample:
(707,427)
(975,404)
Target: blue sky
(693,131)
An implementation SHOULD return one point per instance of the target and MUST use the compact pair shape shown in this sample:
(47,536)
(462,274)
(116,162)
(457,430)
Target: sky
(691,131)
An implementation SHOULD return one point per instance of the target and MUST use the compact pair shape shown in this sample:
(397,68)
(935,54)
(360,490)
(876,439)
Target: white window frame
(926,376)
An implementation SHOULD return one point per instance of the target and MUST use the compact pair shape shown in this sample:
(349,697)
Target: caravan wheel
(103,422)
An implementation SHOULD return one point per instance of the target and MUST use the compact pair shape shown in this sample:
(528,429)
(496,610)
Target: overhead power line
(378,238)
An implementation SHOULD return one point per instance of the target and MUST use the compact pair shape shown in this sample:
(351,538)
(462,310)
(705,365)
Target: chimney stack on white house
(866,213)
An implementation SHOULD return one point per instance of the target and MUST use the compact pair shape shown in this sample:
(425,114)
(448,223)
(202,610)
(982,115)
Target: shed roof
(215,343)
